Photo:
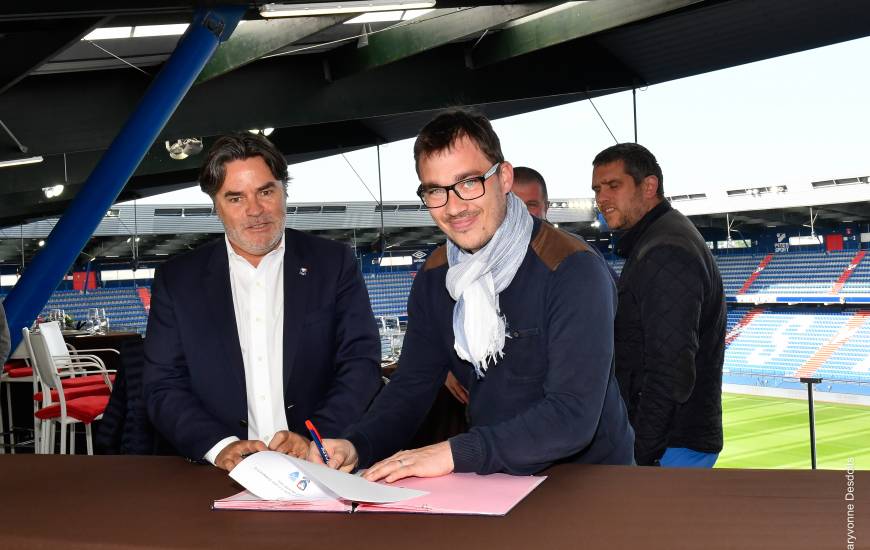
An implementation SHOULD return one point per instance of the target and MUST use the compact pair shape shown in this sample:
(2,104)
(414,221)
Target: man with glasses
(519,311)
(251,335)
(529,186)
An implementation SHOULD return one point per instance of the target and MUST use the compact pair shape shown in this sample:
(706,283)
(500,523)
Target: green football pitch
(771,432)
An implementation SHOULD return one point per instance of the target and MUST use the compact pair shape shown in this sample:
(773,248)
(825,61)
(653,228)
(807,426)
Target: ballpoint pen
(315,436)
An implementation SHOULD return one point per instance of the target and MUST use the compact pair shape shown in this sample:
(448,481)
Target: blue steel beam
(208,28)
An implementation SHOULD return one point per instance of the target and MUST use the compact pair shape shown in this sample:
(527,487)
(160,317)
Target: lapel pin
(303,271)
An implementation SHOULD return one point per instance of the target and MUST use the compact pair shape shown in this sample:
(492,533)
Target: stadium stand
(737,271)
(124,306)
(858,279)
(811,273)
(388,292)
(777,346)
(769,343)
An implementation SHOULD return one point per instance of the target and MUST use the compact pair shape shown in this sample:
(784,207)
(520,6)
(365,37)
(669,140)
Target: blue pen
(315,436)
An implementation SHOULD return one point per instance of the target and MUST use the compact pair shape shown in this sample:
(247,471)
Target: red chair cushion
(14,364)
(73,393)
(17,368)
(83,409)
(21,372)
(89,380)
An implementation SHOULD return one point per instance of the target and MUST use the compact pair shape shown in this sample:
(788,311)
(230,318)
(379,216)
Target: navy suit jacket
(194,377)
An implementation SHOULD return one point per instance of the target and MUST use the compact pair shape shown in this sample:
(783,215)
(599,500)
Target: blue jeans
(680,457)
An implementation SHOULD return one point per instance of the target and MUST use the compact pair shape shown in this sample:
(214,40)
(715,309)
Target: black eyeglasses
(467,189)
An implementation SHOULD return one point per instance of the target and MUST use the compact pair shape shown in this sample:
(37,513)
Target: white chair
(12,373)
(56,407)
(69,358)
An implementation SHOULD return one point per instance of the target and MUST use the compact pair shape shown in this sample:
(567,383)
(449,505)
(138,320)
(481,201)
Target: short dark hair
(441,133)
(239,147)
(525,173)
(638,161)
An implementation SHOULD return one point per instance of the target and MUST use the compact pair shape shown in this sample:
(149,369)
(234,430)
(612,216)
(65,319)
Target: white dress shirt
(258,301)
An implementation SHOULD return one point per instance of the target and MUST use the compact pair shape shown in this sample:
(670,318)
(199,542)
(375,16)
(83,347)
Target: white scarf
(475,281)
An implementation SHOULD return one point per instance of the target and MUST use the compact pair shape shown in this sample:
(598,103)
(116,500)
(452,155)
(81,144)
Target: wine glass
(93,319)
(103,322)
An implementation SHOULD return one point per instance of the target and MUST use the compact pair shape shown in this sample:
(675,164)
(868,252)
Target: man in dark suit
(251,335)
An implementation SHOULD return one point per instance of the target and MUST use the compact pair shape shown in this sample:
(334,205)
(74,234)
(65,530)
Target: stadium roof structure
(329,85)
(154,232)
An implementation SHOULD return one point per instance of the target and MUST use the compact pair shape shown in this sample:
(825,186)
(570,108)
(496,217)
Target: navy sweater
(552,397)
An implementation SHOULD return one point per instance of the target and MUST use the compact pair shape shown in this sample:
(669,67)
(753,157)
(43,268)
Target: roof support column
(208,28)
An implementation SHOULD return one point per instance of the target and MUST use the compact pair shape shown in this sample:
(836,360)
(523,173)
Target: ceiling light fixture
(53,191)
(109,33)
(139,31)
(19,162)
(183,148)
(56,190)
(172,29)
(387,16)
(262,131)
(326,8)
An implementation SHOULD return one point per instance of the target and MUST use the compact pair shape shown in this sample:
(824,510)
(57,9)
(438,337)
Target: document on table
(275,481)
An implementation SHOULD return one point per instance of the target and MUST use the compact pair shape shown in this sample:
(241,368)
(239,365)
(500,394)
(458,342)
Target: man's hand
(233,453)
(289,443)
(432,461)
(342,454)
(457,389)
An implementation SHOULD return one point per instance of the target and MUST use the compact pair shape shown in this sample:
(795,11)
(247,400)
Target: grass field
(770,432)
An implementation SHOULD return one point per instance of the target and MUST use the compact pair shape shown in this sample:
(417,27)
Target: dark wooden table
(106,502)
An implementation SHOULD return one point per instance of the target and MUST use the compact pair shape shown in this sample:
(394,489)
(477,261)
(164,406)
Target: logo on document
(301,482)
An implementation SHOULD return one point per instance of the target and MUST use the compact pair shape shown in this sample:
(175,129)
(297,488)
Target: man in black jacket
(670,322)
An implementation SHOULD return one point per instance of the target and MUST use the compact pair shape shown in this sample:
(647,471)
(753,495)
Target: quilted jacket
(670,336)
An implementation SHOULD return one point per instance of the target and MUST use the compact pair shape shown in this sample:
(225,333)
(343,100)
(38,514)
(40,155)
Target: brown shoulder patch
(553,245)
(437,258)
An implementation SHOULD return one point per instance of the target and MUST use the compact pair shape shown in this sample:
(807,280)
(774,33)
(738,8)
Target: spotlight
(41,243)
(183,148)
(53,191)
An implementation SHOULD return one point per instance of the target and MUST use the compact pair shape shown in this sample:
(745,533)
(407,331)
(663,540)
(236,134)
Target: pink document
(490,495)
